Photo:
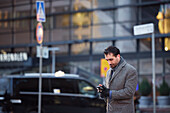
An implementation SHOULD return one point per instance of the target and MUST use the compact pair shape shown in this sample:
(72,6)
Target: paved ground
(165,109)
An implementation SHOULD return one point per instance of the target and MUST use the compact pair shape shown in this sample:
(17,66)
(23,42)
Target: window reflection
(85,88)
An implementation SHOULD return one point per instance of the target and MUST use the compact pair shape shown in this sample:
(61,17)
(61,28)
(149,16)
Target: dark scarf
(120,62)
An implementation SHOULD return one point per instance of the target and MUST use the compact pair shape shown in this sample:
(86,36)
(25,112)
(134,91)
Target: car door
(90,103)
(26,89)
(62,96)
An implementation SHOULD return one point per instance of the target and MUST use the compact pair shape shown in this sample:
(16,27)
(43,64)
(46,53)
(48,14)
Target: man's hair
(112,49)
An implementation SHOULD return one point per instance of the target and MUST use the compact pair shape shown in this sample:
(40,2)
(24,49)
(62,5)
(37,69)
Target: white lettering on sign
(143,29)
(12,57)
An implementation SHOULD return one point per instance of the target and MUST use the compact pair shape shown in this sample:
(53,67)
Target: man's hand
(104,92)
(100,88)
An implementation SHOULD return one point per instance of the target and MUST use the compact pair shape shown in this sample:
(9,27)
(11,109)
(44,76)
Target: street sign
(104,67)
(39,33)
(45,52)
(143,29)
(40,6)
(149,29)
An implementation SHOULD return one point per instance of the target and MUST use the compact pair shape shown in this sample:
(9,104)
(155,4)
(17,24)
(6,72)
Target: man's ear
(118,55)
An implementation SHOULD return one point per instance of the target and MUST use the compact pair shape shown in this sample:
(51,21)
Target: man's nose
(109,62)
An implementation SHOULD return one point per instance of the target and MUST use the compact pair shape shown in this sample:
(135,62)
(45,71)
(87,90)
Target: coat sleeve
(129,88)
(105,83)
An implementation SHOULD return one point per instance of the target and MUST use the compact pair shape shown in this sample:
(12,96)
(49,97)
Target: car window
(30,85)
(63,85)
(4,85)
(86,89)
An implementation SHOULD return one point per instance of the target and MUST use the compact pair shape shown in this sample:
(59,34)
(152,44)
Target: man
(120,83)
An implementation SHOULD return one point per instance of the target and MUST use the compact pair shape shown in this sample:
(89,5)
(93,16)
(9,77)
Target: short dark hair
(112,49)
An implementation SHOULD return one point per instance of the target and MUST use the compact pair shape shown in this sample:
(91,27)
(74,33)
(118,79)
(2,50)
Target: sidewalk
(149,109)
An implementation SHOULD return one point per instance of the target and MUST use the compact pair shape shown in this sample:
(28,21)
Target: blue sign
(40,6)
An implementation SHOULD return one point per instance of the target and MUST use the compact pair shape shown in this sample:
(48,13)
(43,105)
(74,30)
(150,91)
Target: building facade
(82,29)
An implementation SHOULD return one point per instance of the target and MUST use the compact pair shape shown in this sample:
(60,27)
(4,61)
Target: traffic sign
(104,67)
(39,33)
(143,29)
(40,6)
(45,52)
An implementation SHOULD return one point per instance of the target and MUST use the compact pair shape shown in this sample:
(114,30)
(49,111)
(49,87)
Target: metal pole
(53,62)
(40,80)
(53,49)
(153,73)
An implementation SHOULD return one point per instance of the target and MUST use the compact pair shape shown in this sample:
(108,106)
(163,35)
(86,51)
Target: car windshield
(4,83)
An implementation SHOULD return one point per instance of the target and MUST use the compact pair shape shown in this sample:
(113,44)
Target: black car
(64,94)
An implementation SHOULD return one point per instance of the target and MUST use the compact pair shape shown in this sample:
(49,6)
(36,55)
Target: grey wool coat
(123,86)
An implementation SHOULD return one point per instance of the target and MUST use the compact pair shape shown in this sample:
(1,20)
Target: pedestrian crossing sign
(40,11)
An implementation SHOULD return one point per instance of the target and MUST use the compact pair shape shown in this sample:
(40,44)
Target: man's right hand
(100,88)
(104,92)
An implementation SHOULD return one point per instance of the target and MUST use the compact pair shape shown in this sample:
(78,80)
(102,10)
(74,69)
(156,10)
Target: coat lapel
(117,70)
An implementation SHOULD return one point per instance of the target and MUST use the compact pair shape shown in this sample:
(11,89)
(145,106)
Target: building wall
(72,25)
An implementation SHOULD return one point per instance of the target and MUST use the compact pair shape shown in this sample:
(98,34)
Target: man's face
(112,60)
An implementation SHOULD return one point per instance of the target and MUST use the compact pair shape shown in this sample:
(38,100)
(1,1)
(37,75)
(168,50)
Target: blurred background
(82,29)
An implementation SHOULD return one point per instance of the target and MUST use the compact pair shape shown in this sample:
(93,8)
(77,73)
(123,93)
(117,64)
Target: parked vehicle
(64,94)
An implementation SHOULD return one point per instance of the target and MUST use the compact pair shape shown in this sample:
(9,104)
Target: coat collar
(118,68)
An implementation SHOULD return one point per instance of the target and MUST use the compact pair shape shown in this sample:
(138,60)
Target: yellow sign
(104,66)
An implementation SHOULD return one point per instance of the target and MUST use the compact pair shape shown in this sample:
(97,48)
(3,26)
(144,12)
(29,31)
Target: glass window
(145,66)
(167,65)
(30,85)
(22,38)
(86,89)
(103,3)
(103,31)
(149,13)
(81,19)
(79,33)
(82,48)
(5,14)
(167,44)
(146,44)
(4,84)
(126,46)
(133,63)
(61,5)
(5,3)
(63,86)
(60,34)
(6,39)
(63,50)
(46,24)
(17,2)
(98,47)
(22,11)
(22,25)
(103,17)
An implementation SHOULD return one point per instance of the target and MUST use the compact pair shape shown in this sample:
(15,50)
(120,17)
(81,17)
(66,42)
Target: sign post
(53,49)
(40,7)
(39,37)
(149,29)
